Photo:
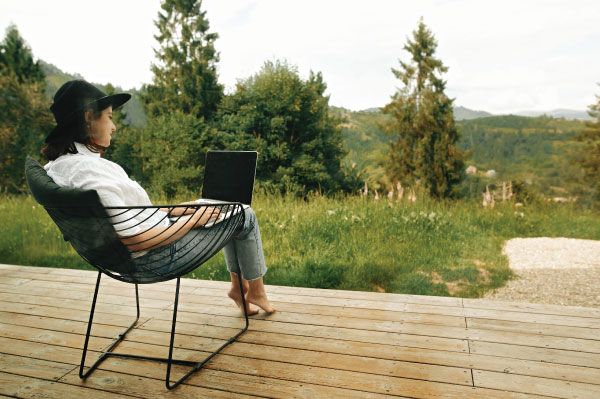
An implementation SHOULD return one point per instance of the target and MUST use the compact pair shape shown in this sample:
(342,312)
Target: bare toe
(237,298)
(262,302)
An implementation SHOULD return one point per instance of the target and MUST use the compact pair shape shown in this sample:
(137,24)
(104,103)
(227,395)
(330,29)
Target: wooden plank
(28,387)
(126,307)
(535,385)
(61,325)
(559,356)
(473,334)
(346,362)
(89,283)
(215,379)
(222,285)
(44,351)
(52,337)
(387,385)
(332,328)
(191,301)
(397,353)
(362,364)
(364,295)
(43,369)
(578,311)
(417,355)
(133,385)
(13,280)
(56,312)
(277,388)
(295,291)
(558,320)
(345,334)
(533,328)
(324,308)
(231,360)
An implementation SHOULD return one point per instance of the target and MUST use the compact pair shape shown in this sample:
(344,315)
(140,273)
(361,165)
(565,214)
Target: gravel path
(560,271)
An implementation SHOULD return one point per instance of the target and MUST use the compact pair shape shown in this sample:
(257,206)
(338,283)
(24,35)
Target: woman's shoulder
(74,167)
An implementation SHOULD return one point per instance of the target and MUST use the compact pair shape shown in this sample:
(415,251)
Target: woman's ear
(88,116)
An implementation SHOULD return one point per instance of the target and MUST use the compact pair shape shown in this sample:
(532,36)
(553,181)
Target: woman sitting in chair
(75,148)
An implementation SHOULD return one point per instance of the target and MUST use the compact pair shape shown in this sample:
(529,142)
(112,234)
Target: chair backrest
(82,220)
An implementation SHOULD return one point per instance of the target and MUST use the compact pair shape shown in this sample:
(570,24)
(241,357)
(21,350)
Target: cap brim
(116,100)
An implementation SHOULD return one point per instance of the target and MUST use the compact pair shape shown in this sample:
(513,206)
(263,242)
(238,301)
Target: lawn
(449,248)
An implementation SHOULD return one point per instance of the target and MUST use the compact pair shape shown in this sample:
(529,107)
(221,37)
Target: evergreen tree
(172,153)
(589,157)
(25,118)
(287,120)
(185,79)
(425,152)
(16,58)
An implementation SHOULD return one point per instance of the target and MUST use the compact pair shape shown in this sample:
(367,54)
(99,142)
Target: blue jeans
(243,253)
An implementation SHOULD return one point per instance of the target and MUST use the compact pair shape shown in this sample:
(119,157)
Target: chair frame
(170,361)
(56,199)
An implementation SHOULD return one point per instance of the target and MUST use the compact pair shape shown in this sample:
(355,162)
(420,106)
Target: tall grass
(425,247)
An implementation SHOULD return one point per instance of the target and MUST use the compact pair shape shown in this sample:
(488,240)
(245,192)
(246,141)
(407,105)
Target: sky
(503,56)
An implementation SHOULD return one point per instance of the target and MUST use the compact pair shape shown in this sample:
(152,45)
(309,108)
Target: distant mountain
(375,109)
(462,113)
(55,77)
(558,113)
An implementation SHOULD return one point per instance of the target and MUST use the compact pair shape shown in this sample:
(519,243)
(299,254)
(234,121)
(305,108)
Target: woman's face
(101,129)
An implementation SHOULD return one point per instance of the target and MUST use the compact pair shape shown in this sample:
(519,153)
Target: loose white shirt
(88,171)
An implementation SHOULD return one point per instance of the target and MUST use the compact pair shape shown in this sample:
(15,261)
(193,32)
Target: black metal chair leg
(197,366)
(107,352)
(170,361)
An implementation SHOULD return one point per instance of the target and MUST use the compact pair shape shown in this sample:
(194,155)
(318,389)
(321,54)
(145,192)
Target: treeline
(304,144)
(276,112)
(539,152)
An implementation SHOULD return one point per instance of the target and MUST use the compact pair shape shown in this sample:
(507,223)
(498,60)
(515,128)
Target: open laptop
(228,177)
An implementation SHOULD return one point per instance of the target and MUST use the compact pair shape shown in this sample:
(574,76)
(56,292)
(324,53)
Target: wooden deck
(320,343)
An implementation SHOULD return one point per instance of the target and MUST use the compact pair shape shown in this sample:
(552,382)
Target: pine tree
(589,157)
(16,58)
(25,118)
(425,152)
(185,79)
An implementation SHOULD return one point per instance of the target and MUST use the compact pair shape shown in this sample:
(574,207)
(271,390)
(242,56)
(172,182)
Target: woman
(74,150)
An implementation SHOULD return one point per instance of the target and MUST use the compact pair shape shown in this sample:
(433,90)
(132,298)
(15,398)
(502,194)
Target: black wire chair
(92,231)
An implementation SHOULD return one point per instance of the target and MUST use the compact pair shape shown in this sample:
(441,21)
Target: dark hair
(53,150)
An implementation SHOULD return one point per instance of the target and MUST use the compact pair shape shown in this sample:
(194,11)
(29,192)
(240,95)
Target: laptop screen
(229,176)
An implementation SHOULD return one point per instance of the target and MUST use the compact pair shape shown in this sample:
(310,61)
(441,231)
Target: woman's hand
(204,214)
(181,210)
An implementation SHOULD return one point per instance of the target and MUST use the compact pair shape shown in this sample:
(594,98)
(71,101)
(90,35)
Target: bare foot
(237,298)
(261,301)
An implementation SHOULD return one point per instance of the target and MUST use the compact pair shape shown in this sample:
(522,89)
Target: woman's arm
(179,211)
(160,236)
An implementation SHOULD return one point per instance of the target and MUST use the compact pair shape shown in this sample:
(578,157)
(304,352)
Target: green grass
(427,247)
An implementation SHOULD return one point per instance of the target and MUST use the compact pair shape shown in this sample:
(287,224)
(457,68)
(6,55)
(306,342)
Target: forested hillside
(534,150)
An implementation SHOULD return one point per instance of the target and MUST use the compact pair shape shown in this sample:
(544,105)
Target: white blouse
(88,171)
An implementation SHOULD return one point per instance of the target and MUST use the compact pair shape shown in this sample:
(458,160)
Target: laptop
(228,177)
